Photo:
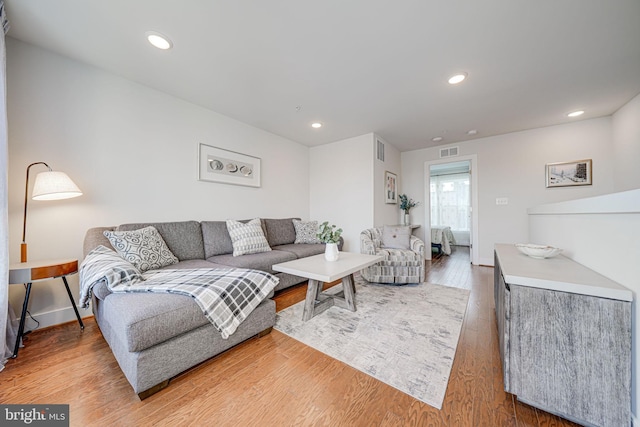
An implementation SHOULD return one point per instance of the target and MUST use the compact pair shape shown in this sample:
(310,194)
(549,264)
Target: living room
(133,151)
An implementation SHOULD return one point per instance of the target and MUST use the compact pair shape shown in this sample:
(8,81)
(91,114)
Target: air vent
(449,152)
(380,152)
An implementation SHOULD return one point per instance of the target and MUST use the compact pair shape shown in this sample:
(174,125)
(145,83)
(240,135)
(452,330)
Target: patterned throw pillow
(306,231)
(247,238)
(145,248)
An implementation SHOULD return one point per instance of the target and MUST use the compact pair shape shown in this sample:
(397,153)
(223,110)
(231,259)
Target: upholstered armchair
(403,261)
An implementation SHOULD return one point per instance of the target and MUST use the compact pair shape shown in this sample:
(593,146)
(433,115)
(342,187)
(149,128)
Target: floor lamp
(49,185)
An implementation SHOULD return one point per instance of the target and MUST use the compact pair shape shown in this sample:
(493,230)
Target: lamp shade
(54,185)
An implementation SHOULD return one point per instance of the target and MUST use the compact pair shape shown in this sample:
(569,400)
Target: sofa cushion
(184,238)
(400,257)
(301,250)
(306,232)
(262,261)
(247,238)
(147,319)
(144,248)
(280,231)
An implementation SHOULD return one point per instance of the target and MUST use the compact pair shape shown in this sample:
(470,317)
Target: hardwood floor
(274,380)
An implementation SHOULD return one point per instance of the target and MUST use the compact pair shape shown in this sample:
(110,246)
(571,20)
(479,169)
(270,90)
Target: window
(450,201)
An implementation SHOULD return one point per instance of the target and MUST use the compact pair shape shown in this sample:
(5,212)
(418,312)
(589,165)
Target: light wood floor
(273,380)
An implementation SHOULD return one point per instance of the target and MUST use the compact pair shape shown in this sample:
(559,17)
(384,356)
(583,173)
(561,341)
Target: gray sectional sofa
(154,337)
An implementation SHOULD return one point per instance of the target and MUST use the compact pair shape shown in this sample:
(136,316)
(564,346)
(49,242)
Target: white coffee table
(319,271)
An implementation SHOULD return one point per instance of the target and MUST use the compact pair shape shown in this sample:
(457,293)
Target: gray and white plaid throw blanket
(226,296)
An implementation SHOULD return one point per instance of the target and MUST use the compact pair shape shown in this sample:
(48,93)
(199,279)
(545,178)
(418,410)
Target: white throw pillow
(306,231)
(247,238)
(396,237)
(145,248)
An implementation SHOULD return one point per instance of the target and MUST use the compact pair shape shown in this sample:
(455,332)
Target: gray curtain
(6,348)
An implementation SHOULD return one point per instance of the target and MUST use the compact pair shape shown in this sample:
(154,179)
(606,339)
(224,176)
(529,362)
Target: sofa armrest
(367,245)
(417,245)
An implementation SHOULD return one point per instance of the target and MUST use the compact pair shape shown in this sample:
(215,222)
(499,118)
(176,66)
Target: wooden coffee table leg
(349,292)
(310,300)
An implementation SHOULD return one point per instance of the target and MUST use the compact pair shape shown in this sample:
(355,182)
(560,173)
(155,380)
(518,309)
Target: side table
(32,271)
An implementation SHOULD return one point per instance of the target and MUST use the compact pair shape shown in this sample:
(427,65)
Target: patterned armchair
(400,266)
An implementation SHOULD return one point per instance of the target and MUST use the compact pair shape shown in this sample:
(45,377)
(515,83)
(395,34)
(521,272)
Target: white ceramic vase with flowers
(405,205)
(328,235)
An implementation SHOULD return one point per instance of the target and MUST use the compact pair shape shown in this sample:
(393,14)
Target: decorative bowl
(538,251)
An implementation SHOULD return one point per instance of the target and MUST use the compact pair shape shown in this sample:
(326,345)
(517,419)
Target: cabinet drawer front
(570,354)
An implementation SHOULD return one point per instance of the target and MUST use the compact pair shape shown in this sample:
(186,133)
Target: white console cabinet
(565,337)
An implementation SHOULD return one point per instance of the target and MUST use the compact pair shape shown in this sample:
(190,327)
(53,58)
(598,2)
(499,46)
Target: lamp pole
(23,245)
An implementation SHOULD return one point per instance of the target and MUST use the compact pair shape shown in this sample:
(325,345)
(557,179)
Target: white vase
(331,252)
(406,220)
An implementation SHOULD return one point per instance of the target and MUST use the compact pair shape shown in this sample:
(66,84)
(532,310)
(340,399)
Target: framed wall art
(390,187)
(228,167)
(569,174)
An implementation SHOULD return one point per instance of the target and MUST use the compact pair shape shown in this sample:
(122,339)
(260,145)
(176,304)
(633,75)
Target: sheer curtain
(5,347)
(451,201)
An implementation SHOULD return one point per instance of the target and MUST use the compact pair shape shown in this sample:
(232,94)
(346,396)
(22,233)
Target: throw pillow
(306,232)
(396,237)
(145,248)
(247,238)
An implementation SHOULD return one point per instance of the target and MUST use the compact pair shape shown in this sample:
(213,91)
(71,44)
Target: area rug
(404,336)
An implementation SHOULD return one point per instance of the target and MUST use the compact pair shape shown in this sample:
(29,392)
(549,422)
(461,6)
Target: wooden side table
(32,271)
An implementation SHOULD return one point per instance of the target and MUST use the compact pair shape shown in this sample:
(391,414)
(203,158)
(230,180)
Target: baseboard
(52,318)
(485,262)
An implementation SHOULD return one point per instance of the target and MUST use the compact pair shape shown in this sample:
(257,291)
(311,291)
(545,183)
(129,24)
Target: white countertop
(558,274)
(317,268)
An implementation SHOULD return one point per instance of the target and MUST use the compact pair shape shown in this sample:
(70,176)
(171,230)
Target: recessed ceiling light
(437,139)
(158,40)
(454,80)
(316,125)
(575,113)
(472,132)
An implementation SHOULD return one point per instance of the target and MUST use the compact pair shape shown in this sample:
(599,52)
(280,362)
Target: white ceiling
(360,66)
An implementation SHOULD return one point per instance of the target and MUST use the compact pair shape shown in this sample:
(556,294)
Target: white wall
(513,166)
(626,145)
(385,213)
(133,151)
(341,178)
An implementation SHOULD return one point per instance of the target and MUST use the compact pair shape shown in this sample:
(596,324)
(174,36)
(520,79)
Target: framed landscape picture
(390,187)
(219,165)
(569,174)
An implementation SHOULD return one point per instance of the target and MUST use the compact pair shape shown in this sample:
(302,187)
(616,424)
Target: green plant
(406,203)
(328,234)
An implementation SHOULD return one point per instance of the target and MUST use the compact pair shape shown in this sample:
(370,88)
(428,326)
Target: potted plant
(405,205)
(328,235)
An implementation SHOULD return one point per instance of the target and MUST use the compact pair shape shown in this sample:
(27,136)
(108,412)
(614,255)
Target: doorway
(451,217)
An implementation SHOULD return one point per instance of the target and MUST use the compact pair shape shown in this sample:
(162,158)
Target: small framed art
(390,187)
(219,165)
(569,174)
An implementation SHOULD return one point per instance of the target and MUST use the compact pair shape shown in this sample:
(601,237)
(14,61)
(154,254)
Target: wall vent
(449,152)
(380,150)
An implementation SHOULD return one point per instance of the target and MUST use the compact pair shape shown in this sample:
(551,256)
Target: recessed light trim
(316,125)
(457,78)
(437,138)
(575,113)
(159,40)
